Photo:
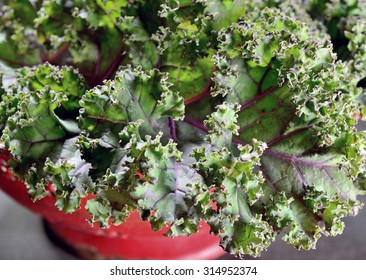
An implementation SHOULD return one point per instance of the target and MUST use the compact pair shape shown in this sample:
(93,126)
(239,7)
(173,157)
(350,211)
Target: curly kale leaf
(40,132)
(119,118)
(133,95)
(286,97)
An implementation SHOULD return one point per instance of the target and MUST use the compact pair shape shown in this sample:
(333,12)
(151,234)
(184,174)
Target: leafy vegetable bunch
(240,113)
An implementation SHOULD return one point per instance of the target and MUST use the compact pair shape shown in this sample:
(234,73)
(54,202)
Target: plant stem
(288,135)
(112,67)
(196,124)
(205,92)
(173,130)
(268,91)
(52,59)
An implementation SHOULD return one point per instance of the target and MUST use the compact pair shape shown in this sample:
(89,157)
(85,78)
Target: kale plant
(240,113)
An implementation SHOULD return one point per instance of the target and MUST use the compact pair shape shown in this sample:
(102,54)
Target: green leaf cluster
(238,113)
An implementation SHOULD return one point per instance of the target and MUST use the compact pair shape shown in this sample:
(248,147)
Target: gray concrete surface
(22,237)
